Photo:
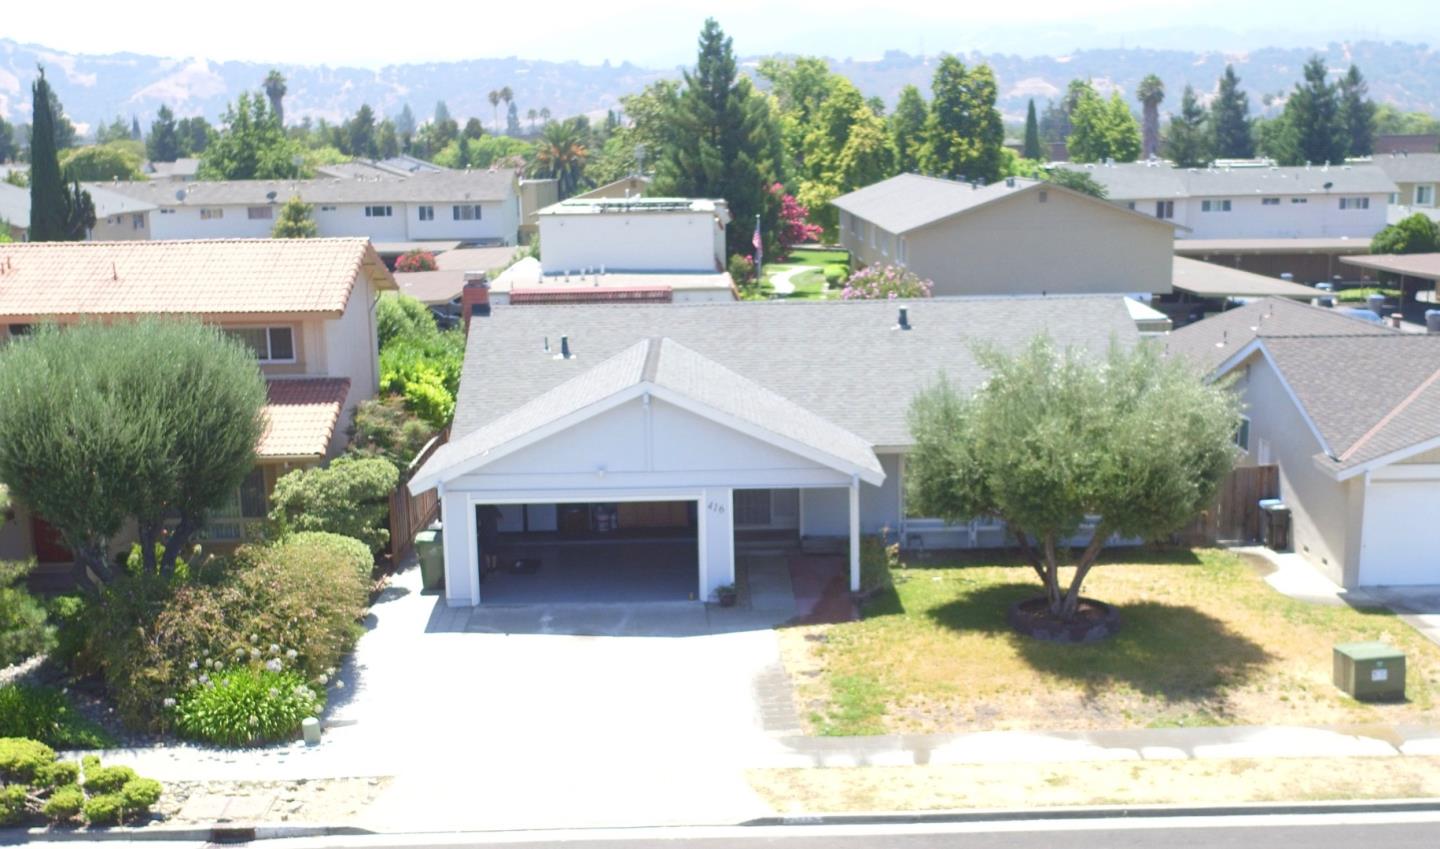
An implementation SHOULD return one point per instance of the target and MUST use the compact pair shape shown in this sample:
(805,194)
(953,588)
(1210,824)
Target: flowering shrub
(247,706)
(881,282)
(742,269)
(795,227)
(416,260)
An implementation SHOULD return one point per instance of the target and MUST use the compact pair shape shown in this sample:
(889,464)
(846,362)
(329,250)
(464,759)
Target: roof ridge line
(1390,416)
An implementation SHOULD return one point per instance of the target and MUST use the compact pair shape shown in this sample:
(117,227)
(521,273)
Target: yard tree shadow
(1172,652)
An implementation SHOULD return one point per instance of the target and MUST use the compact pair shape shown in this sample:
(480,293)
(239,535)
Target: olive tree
(1133,441)
(153,421)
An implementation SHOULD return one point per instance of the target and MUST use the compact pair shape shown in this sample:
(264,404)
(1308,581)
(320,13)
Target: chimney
(475,297)
(1395,319)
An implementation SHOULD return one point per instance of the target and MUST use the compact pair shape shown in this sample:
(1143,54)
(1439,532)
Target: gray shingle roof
(15,205)
(1142,181)
(1369,396)
(663,364)
(15,202)
(1211,342)
(842,361)
(422,187)
(1410,168)
(907,201)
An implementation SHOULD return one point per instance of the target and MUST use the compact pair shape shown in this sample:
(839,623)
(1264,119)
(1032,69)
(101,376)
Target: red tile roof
(192,277)
(300,415)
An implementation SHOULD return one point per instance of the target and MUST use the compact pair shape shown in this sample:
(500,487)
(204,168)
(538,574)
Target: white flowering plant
(247,706)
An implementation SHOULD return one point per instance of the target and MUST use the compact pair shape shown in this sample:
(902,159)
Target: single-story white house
(1349,411)
(682,426)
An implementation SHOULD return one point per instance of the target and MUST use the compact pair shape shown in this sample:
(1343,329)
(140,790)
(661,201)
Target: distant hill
(98,87)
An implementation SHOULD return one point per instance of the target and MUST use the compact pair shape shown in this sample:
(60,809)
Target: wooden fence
(410,514)
(1235,517)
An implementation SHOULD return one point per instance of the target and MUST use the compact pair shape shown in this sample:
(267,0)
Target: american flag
(758,244)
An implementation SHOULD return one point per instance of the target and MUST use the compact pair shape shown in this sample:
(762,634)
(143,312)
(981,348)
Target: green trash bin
(430,551)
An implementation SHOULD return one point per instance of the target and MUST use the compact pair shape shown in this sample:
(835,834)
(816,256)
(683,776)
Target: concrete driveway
(564,715)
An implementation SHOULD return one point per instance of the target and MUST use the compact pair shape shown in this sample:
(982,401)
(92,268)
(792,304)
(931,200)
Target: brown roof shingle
(190,277)
(300,415)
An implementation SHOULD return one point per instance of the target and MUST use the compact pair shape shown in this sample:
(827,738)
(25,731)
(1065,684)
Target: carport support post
(854,533)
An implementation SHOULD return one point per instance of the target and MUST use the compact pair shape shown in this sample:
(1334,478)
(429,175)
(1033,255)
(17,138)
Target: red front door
(49,548)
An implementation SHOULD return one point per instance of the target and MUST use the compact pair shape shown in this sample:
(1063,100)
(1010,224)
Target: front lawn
(810,283)
(1204,641)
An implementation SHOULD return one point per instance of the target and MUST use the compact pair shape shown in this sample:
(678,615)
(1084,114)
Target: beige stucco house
(1014,237)
(306,307)
(1349,411)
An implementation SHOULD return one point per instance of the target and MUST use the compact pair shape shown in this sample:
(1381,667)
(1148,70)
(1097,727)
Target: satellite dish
(180,195)
(270,196)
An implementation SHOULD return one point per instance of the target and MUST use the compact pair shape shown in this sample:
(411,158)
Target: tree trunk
(92,571)
(1027,551)
(148,533)
(1087,559)
(1052,574)
(179,538)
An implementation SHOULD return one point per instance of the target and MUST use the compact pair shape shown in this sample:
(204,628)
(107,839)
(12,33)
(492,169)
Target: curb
(1157,812)
(212,834)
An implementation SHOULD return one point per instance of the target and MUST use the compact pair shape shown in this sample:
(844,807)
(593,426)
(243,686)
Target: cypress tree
(1312,115)
(1357,113)
(1230,119)
(1031,150)
(47,189)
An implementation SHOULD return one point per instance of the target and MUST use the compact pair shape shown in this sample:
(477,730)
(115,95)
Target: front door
(49,547)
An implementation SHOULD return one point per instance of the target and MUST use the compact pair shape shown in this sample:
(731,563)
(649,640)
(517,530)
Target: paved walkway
(783,283)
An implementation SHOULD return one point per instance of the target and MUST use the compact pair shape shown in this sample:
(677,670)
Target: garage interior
(596,552)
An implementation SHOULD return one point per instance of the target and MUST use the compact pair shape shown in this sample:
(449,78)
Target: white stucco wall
(499,220)
(640,241)
(352,351)
(1248,218)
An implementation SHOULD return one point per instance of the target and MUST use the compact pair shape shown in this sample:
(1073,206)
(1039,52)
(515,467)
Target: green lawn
(1204,641)
(809,285)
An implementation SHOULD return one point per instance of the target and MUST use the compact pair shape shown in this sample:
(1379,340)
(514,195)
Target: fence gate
(1235,516)
(410,514)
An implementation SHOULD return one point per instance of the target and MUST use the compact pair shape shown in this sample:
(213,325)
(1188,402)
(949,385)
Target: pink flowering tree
(882,282)
(794,226)
(416,260)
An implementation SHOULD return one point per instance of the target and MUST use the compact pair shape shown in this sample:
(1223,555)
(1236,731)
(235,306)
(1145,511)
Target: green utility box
(1370,671)
(430,551)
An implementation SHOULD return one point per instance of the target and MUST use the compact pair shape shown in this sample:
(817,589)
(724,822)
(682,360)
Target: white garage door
(1402,537)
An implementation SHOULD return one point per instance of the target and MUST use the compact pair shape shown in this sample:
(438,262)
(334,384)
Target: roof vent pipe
(904,318)
(564,347)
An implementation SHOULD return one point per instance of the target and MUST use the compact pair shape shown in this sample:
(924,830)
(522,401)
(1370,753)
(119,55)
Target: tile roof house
(304,305)
(1006,238)
(1252,202)
(471,206)
(1350,413)
(730,418)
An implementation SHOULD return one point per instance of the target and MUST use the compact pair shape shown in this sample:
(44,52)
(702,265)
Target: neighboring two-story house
(118,217)
(1416,177)
(305,306)
(1014,237)
(1252,202)
(479,207)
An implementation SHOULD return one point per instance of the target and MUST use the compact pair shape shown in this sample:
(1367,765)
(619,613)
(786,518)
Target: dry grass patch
(1204,641)
(1198,782)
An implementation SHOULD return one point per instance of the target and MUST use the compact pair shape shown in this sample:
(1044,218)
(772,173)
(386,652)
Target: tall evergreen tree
(193,135)
(360,134)
(163,144)
(405,123)
(726,142)
(48,207)
(387,139)
(1187,144)
(296,221)
(1150,93)
(907,129)
(1031,148)
(1313,129)
(964,135)
(1357,113)
(8,149)
(1230,119)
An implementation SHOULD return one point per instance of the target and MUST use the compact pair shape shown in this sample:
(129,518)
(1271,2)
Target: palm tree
(275,90)
(560,154)
(545,114)
(532,115)
(507,96)
(495,106)
(1150,93)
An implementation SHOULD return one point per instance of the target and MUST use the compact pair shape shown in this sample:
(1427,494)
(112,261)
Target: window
(1299,200)
(208,213)
(167,212)
(1394,198)
(1215,205)
(327,209)
(874,235)
(1130,205)
(137,221)
(427,213)
(1354,203)
(270,344)
(19,330)
(1269,201)
(1164,209)
(1242,434)
(885,244)
(466,212)
(1424,195)
(903,254)
(239,518)
(377,211)
(260,213)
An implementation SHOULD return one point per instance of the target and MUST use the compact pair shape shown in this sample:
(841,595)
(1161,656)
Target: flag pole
(759,249)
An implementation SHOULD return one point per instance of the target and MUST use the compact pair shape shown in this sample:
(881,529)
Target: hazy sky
(371,33)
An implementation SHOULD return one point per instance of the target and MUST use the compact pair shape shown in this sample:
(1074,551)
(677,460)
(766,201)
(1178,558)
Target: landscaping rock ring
(1094,621)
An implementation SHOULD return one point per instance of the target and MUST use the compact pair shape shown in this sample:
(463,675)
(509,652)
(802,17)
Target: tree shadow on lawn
(1168,651)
